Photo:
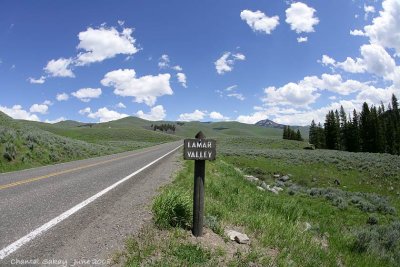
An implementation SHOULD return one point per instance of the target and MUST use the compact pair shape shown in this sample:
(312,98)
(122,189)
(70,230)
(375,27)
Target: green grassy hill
(25,144)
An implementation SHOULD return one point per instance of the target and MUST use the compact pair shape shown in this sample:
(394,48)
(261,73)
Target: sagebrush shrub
(172,209)
(10,152)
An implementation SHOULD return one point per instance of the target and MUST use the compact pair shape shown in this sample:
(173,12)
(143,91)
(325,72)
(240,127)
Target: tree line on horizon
(290,134)
(374,129)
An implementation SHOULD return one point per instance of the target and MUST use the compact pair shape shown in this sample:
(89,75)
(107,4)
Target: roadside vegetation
(336,209)
(24,145)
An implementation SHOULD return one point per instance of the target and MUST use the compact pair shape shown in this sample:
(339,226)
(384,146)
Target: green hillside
(25,144)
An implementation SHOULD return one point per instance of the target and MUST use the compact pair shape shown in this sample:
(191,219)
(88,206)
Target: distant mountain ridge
(269,124)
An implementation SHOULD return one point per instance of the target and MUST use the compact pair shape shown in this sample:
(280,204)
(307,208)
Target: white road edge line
(38,231)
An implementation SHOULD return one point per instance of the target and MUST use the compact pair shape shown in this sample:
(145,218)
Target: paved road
(62,211)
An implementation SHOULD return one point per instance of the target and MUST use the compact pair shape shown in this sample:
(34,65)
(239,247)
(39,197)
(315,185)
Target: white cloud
(56,120)
(182,79)
(367,10)
(145,89)
(231,88)
(239,56)
(103,43)
(156,113)
(164,62)
(60,68)
(226,61)
(302,39)
(121,105)
(357,33)
(62,97)
(290,94)
(177,68)
(326,60)
(39,108)
(301,17)
(237,96)
(374,60)
(258,21)
(41,80)
(86,94)
(253,118)
(196,115)
(305,92)
(16,112)
(85,110)
(103,114)
(385,29)
(218,116)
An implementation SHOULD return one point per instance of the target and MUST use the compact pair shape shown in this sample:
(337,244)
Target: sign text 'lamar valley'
(199,149)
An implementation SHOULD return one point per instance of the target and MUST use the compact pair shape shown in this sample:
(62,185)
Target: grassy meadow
(337,209)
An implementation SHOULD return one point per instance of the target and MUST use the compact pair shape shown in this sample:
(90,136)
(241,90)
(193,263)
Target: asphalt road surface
(79,213)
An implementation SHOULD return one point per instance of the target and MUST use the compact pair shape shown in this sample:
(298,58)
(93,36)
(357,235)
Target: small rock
(307,226)
(337,182)
(251,178)
(314,179)
(238,237)
(264,185)
(391,188)
(277,188)
(284,178)
(277,175)
(279,183)
(260,188)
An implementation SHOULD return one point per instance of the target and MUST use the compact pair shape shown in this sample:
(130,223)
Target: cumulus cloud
(218,116)
(290,94)
(156,113)
(374,60)
(385,28)
(121,105)
(85,110)
(164,62)
(301,17)
(177,68)
(368,10)
(302,39)
(196,115)
(103,114)
(258,21)
(226,61)
(327,60)
(18,113)
(86,94)
(59,68)
(145,89)
(306,91)
(41,80)
(62,97)
(39,108)
(357,32)
(104,43)
(181,79)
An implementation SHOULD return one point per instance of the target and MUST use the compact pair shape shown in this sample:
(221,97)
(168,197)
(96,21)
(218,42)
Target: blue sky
(210,60)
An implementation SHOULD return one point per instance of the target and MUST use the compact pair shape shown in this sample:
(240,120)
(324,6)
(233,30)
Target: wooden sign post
(200,150)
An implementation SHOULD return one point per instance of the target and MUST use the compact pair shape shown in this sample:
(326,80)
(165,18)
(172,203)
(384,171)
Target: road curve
(43,209)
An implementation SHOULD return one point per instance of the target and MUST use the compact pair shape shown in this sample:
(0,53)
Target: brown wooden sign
(199,149)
